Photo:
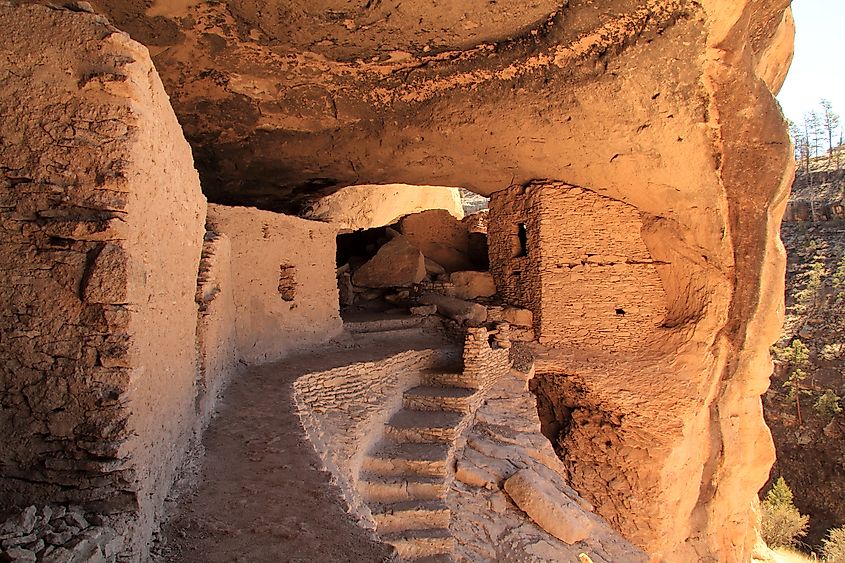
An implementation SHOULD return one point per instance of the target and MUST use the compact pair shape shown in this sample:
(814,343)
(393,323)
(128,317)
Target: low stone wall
(343,410)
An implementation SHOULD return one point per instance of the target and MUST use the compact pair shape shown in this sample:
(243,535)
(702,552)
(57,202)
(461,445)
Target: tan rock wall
(590,280)
(283,278)
(102,221)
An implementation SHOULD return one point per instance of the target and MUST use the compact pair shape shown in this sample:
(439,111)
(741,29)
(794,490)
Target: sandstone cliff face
(665,106)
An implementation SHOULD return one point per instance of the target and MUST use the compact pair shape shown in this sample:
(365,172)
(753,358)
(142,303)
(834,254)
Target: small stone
(86,551)
(20,555)
(36,547)
(108,540)
(58,512)
(57,555)
(18,540)
(80,6)
(76,519)
(46,514)
(21,524)
(58,538)
(423,310)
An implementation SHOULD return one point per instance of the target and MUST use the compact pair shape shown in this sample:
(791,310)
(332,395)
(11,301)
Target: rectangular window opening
(522,233)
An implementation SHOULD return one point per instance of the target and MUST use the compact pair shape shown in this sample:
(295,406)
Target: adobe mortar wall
(588,277)
(101,222)
(269,250)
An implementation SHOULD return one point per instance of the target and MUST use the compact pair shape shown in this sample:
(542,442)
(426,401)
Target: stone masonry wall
(486,355)
(101,222)
(515,266)
(283,277)
(595,284)
(343,410)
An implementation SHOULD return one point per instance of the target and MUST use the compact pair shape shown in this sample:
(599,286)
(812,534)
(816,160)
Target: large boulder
(471,285)
(548,507)
(396,264)
(440,237)
(465,312)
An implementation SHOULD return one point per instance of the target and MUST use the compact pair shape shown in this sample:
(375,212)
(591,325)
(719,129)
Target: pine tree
(829,121)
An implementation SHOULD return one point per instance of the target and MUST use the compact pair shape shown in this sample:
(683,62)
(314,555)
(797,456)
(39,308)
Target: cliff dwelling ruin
(245,315)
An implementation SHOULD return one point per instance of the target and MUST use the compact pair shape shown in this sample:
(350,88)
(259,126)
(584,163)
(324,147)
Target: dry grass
(787,555)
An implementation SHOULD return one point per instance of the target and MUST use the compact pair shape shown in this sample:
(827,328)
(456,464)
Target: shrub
(827,405)
(833,546)
(839,274)
(797,354)
(782,523)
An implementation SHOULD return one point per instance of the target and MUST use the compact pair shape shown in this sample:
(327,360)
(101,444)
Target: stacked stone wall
(591,281)
(217,354)
(515,264)
(486,355)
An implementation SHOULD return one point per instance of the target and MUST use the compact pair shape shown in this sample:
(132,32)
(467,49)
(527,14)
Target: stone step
(438,398)
(423,426)
(410,515)
(391,458)
(440,378)
(417,544)
(390,324)
(399,488)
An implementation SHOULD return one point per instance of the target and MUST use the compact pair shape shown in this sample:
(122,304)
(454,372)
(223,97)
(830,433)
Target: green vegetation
(793,384)
(838,280)
(807,298)
(819,133)
(782,525)
(833,351)
(796,356)
(828,405)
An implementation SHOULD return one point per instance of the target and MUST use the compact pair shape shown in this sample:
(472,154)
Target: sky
(818,69)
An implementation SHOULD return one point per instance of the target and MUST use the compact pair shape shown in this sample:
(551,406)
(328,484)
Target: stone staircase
(405,477)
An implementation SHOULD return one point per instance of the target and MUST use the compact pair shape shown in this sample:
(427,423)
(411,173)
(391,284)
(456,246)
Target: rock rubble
(58,534)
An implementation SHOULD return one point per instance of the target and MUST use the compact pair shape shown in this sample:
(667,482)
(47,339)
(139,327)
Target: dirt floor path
(260,493)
